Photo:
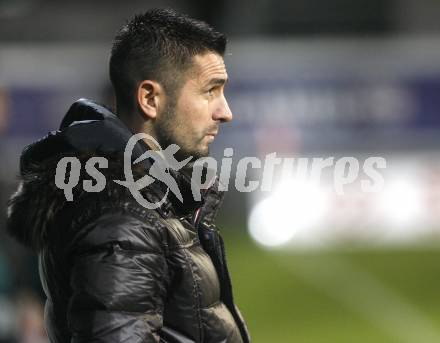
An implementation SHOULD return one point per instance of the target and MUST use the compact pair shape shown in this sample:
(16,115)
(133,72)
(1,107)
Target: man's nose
(223,112)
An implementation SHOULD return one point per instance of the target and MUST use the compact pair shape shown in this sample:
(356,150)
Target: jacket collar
(91,128)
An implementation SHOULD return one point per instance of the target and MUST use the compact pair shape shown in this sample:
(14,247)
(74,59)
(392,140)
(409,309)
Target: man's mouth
(212,133)
(211,136)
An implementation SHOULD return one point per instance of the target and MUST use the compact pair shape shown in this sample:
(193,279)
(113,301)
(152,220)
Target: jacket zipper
(213,244)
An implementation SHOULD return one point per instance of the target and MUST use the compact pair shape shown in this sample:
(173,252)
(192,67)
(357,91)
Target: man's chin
(182,154)
(199,154)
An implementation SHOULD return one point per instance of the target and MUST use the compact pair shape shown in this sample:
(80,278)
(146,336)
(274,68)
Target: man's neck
(136,125)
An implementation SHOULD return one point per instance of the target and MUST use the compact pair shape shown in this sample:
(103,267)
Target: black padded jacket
(112,270)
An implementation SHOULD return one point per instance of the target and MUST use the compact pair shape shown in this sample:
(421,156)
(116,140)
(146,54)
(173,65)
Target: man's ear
(149,97)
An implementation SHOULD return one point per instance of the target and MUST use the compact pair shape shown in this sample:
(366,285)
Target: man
(113,270)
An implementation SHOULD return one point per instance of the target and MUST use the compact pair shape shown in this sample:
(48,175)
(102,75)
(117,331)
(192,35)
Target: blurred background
(308,79)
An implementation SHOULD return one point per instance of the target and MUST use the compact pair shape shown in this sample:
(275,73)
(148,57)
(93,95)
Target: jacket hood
(86,127)
(87,130)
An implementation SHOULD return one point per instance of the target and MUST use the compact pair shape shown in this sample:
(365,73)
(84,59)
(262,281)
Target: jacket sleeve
(118,279)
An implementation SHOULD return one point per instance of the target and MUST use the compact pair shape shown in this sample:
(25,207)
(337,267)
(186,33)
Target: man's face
(193,121)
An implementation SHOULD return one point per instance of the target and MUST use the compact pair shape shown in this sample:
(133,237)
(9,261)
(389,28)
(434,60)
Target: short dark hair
(158,45)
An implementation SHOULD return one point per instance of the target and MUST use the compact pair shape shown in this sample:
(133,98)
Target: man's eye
(211,91)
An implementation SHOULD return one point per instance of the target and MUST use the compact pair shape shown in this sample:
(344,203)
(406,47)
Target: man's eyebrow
(217,82)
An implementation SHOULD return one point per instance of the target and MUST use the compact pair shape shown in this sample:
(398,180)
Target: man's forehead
(208,66)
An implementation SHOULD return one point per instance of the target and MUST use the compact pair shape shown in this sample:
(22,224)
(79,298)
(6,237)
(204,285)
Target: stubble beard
(166,135)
